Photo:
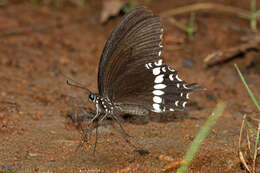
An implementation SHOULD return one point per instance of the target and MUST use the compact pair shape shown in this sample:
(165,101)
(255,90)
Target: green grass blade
(191,28)
(248,89)
(217,112)
(132,5)
(253,21)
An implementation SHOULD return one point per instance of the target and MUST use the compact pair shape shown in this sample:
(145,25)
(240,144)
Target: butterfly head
(92,97)
(103,105)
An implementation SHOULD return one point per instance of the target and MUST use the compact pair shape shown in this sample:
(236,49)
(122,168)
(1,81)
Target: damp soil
(36,131)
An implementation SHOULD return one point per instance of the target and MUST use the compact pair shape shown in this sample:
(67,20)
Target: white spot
(146,65)
(161,36)
(158,92)
(187,95)
(157,99)
(160,52)
(171,109)
(156,71)
(176,103)
(164,108)
(181,94)
(156,107)
(183,104)
(159,78)
(158,63)
(150,64)
(184,86)
(164,69)
(178,85)
(160,86)
(177,77)
(171,77)
(169,68)
(160,45)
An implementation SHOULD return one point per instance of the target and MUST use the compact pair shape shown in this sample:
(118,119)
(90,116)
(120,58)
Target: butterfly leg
(95,144)
(86,131)
(125,136)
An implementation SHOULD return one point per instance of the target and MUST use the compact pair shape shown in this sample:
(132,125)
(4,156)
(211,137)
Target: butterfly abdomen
(132,109)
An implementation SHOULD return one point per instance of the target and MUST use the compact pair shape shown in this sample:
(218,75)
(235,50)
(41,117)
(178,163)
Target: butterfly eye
(91,97)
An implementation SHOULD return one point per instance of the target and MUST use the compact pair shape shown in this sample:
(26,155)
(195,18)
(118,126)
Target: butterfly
(132,75)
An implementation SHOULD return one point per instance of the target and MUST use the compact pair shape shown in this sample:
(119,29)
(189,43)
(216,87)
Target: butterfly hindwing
(132,70)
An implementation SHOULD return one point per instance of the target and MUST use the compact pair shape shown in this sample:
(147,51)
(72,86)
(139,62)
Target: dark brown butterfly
(133,77)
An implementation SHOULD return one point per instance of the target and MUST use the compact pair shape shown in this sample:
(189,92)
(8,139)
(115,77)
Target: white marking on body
(178,85)
(158,63)
(184,104)
(161,34)
(187,95)
(171,77)
(184,86)
(146,65)
(170,69)
(156,107)
(181,94)
(156,71)
(157,99)
(150,64)
(160,52)
(177,77)
(159,78)
(160,86)
(158,92)
(164,108)
(164,69)
(160,45)
(171,109)
(176,103)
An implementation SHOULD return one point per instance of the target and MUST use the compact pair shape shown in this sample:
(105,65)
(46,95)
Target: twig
(208,6)
(240,153)
(256,144)
(27,30)
(221,56)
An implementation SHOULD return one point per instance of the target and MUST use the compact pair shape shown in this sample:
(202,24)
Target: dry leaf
(110,8)
(165,158)
(172,165)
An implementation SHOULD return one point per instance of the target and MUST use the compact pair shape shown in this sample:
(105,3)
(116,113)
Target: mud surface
(35,133)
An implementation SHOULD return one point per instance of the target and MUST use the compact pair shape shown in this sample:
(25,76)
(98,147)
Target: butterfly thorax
(103,105)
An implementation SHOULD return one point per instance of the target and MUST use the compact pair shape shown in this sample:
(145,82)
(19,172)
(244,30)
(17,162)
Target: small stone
(188,62)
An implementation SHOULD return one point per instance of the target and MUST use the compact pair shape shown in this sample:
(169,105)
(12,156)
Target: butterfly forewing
(132,70)
(118,48)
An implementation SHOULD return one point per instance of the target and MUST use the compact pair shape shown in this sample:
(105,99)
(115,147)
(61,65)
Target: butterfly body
(132,75)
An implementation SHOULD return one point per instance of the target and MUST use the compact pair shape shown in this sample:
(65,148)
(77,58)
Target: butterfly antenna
(78,86)
(75,83)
